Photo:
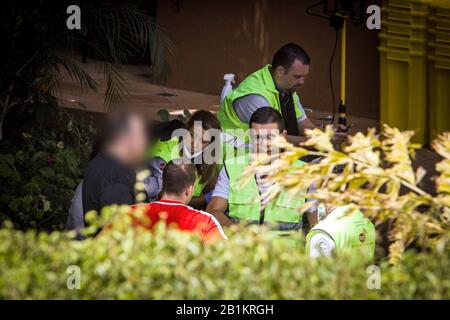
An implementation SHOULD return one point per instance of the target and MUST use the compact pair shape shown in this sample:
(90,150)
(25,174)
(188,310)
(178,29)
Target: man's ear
(279,71)
(189,191)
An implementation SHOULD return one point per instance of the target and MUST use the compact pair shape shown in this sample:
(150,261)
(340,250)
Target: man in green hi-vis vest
(232,201)
(341,231)
(275,86)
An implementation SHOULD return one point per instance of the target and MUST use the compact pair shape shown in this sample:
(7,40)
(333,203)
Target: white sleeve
(246,105)
(153,183)
(302,117)
(222,188)
(321,245)
(75,220)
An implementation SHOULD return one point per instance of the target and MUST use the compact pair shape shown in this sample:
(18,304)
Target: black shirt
(288,113)
(107,181)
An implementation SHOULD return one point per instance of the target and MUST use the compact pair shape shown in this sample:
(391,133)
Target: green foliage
(164,115)
(377,177)
(40,169)
(127,263)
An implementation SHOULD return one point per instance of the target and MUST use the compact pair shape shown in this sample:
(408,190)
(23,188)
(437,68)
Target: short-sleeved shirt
(185,218)
(245,106)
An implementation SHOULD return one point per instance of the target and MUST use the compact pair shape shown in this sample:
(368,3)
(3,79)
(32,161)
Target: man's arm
(296,140)
(340,134)
(245,106)
(219,200)
(217,207)
(153,183)
(302,125)
(75,220)
(305,124)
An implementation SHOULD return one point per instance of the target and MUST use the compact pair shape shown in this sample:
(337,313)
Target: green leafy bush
(40,169)
(127,263)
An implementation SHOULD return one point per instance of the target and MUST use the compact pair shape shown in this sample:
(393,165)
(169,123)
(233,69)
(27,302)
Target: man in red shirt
(177,188)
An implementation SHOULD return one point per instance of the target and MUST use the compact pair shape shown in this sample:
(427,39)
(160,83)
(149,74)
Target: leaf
(321,140)
(47,172)
(420,174)
(47,205)
(164,115)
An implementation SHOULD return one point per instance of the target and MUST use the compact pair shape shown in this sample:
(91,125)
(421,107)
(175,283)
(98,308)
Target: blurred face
(136,140)
(290,80)
(200,139)
(262,136)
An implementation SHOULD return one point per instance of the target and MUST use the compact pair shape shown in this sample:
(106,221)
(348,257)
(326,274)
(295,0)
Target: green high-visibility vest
(166,150)
(169,150)
(261,83)
(244,201)
(352,233)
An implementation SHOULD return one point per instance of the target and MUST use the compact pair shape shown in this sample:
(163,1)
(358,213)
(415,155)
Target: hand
(340,134)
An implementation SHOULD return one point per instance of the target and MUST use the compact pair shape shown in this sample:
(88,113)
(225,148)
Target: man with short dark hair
(274,85)
(110,177)
(232,201)
(177,189)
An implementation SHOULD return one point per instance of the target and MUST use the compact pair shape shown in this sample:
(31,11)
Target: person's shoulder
(94,169)
(321,244)
(254,99)
(197,215)
(99,163)
(240,160)
(207,223)
(104,167)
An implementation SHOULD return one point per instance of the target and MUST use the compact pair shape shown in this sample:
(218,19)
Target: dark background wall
(218,37)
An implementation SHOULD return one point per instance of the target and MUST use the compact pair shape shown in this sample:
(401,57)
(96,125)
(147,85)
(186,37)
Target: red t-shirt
(184,217)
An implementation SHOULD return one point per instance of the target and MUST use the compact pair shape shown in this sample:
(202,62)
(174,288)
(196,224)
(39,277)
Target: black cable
(330,71)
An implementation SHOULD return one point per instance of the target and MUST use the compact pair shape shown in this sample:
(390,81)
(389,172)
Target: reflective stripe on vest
(352,233)
(261,83)
(244,202)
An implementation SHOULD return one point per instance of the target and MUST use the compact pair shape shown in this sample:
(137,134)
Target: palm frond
(115,85)
(77,73)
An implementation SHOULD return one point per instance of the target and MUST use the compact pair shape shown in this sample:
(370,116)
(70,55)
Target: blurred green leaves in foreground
(375,175)
(131,263)
(124,262)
